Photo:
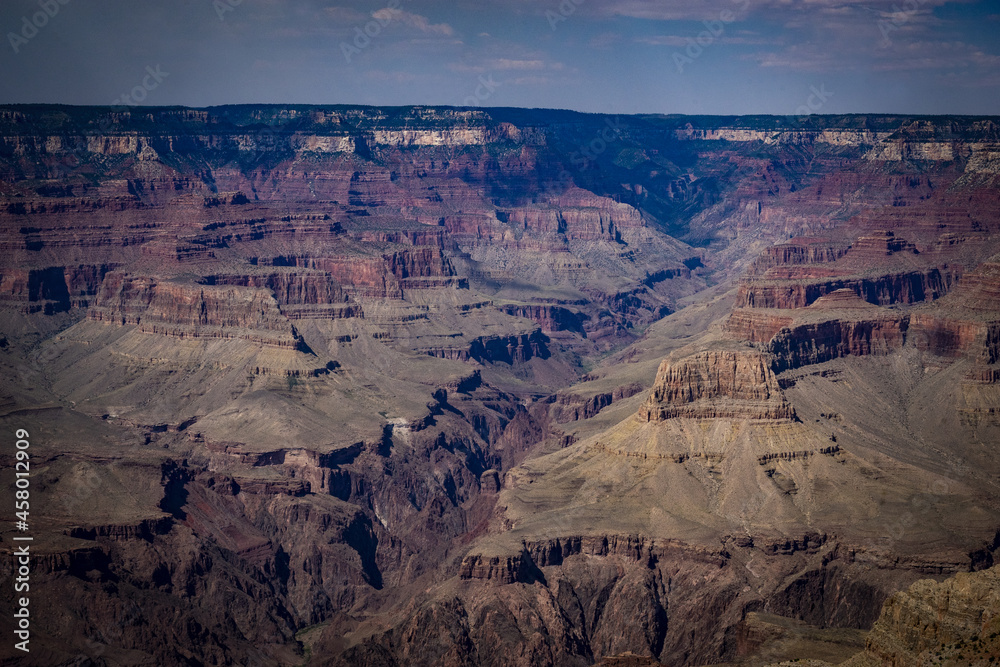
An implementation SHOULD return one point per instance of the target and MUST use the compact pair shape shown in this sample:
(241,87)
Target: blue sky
(613,56)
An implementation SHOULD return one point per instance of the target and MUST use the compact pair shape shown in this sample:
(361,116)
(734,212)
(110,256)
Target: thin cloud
(605,40)
(680,10)
(941,55)
(685,40)
(508,64)
(531,81)
(416,21)
(391,77)
(663,40)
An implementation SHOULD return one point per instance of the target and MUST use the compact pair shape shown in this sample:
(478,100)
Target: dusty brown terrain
(358,386)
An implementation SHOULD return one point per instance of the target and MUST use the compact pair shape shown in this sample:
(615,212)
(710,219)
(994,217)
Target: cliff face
(724,384)
(801,251)
(178,309)
(507,349)
(952,622)
(906,288)
(54,289)
(808,344)
(300,294)
(810,301)
(572,407)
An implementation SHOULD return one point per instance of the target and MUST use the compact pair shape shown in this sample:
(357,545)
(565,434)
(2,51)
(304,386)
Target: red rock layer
(550,318)
(572,407)
(797,251)
(884,290)
(545,553)
(979,290)
(881,243)
(289,287)
(823,341)
(383,276)
(52,289)
(190,310)
(949,337)
(506,349)
(754,325)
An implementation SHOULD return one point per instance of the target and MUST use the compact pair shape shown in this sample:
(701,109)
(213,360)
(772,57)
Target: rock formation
(717,384)
(360,386)
(952,622)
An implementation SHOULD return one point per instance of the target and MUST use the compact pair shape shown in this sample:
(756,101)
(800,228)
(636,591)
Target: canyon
(426,386)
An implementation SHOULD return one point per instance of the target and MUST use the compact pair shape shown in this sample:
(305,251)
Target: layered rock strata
(717,384)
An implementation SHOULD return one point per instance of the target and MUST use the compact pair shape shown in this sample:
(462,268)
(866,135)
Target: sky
(783,57)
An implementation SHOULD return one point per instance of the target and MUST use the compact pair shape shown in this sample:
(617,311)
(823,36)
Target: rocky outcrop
(300,294)
(494,349)
(290,288)
(949,337)
(797,251)
(383,276)
(417,237)
(757,325)
(727,384)
(53,289)
(979,290)
(954,622)
(183,309)
(143,530)
(418,262)
(968,323)
(815,343)
(880,243)
(805,286)
(499,569)
(357,276)
(573,407)
(549,317)
(579,217)
(844,322)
